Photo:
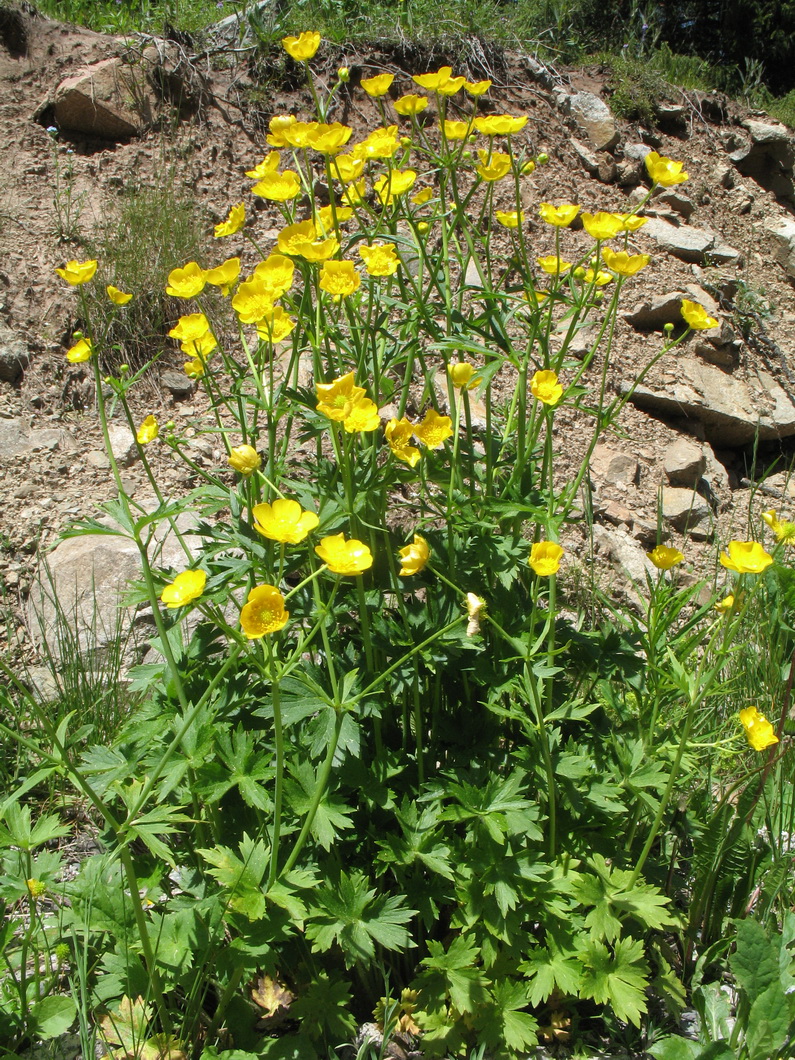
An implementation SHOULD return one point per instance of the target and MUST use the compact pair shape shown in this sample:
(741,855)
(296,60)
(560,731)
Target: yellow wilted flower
(378,85)
(263,612)
(200,347)
(544,387)
(224,275)
(784,531)
(187,586)
(477,88)
(303,47)
(414,557)
(380,259)
(510,218)
(396,182)
(545,557)
(758,730)
(664,557)
(597,277)
(278,126)
(746,557)
(186,282)
(603,225)
(623,263)
(696,316)
(456,130)
(284,520)
(339,278)
(441,82)
(244,459)
(724,606)
(381,143)
(561,216)
(116,296)
(500,124)
(269,164)
(461,373)
(434,429)
(81,351)
(148,431)
(475,606)
(329,139)
(278,187)
(193,369)
(77,272)
(275,325)
(233,223)
(552,265)
(398,434)
(344,557)
(495,167)
(664,171)
(275,274)
(410,104)
(353,193)
(422,196)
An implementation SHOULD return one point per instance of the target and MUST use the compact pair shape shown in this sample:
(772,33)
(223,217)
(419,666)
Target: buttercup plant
(373,743)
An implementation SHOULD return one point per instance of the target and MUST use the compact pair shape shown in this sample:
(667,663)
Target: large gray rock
(769,159)
(689,244)
(781,239)
(684,463)
(593,117)
(656,312)
(17,439)
(110,100)
(686,511)
(628,560)
(732,411)
(613,467)
(14,355)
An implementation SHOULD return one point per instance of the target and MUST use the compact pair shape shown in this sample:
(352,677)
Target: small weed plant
(379,763)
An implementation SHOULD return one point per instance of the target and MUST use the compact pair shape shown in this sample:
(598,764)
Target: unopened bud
(542,159)
(528,168)
(344,74)
(668,327)
(124,368)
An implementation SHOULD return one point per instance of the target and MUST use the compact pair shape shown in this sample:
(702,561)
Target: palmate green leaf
(613,897)
(331,815)
(502,1026)
(351,915)
(618,979)
(453,973)
(324,1008)
(52,1016)
(549,968)
(242,878)
(419,842)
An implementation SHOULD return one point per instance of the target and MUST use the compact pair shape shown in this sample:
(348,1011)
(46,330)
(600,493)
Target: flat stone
(684,463)
(177,383)
(109,99)
(656,313)
(731,411)
(682,241)
(685,510)
(122,444)
(613,467)
(780,233)
(15,355)
(676,201)
(593,117)
(768,159)
(627,558)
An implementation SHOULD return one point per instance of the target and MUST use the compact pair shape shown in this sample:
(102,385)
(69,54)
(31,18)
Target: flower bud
(344,74)
(528,168)
(124,368)
(542,159)
(668,327)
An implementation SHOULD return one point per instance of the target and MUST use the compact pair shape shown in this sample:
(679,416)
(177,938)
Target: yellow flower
(724,606)
(296,235)
(377,85)
(303,47)
(746,557)
(500,125)
(353,193)
(758,730)
(398,435)
(410,104)
(552,265)
(116,296)
(664,557)
(77,272)
(475,606)
(335,399)
(187,586)
(380,259)
(510,218)
(81,351)
(269,164)
(363,416)
(381,143)
(224,275)
(434,429)
(422,196)
(344,557)
(545,557)
(456,130)
(263,612)
(597,277)
(396,182)
(664,171)
(339,278)
(252,301)
(414,557)
(603,225)
(194,369)
(186,282)
(190,327)
(278,187)
(696,316)
(560,216)
(624,264)
(477,88)
(201,347)
(233,223)
(329,139)
(275,325)
(544,387)
(495,167)
(632,222)
(442,81)
(275,274)
(784,531)
(461,373)
(278,126)
(244,459)
(324,218)
(283,521)
(347,168)
(148,431)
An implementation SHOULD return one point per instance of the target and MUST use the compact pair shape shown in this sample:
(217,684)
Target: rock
(688,243)
(97,458)
(671,117)
(732,411)
(684,463)
(109,100)
(686,512)
(177,383)
(676,201)
(122,443)
(654,315)
(472,275)
(781,233)
(613,467)
(14,355)
(719,346)
(593,117)
(769,159)
(600,165)
(617,514)
(627,558)
(17,440)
